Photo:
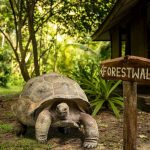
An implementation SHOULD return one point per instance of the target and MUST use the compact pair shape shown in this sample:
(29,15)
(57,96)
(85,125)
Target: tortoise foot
(43,141)
(90,144)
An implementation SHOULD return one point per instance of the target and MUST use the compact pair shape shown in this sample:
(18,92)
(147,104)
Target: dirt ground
(110,130)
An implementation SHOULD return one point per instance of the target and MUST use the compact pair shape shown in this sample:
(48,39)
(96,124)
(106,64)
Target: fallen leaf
(142,136)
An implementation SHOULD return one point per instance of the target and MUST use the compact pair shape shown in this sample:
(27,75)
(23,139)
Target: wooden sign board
(128,68)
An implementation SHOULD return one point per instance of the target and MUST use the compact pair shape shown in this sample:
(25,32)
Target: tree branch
(9,41)
(15,21)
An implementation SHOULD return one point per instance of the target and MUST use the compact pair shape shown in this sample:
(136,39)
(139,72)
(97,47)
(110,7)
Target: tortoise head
(62,110)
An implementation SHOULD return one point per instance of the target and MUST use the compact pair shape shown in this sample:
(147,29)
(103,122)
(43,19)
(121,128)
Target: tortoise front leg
(42,126)
(91,131)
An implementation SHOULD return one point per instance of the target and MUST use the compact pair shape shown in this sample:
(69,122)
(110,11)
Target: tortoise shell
(45,90)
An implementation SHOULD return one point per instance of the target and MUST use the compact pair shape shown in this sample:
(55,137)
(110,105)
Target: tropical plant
(107,96)
(101,93)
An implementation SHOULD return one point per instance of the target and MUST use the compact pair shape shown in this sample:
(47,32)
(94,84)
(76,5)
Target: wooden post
(130,115)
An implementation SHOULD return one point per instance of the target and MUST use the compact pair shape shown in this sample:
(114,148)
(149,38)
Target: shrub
(107,96)
(99,92)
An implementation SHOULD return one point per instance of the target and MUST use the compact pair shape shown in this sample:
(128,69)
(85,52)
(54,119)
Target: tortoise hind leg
(20,129)
(42,126)
(91,131)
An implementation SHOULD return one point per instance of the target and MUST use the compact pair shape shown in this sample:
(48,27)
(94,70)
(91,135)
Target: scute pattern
(41,92)
(50,87)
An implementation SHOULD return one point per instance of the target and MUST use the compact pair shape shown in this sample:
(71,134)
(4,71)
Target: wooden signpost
(130,69)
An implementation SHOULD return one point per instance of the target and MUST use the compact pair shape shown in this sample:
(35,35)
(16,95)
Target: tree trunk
(19,46)
(22,64)
(30,7)
(24,72)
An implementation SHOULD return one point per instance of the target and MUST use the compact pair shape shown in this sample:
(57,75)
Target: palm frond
(117,101)
(114,108)
(98,107)
(114,87)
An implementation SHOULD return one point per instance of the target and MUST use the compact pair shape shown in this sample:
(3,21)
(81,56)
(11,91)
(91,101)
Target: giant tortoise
(53,100)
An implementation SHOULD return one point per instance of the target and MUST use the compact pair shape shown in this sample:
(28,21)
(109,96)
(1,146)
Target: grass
(11,90)
(24,144)
(11,142)
(4,128)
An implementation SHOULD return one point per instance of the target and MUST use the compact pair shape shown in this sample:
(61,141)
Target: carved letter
(135,74)
(142,75)
(129,72)
(123,72)
(118,71)
(147,74)
(103,70)
(109,71)
(113,71)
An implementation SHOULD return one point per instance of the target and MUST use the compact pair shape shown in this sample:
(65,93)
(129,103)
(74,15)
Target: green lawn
(11,90)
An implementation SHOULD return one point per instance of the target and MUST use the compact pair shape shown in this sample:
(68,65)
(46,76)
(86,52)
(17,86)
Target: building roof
(121,9)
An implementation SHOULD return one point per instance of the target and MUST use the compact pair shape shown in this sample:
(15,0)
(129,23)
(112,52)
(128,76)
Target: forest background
(39,37)
(49,36)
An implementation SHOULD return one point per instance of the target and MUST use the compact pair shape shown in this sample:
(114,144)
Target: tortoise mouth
(62,115)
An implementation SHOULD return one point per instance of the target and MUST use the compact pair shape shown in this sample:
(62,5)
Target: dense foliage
(32,27)
(41,36)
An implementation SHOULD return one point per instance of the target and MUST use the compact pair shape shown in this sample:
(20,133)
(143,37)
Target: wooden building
(127,26)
